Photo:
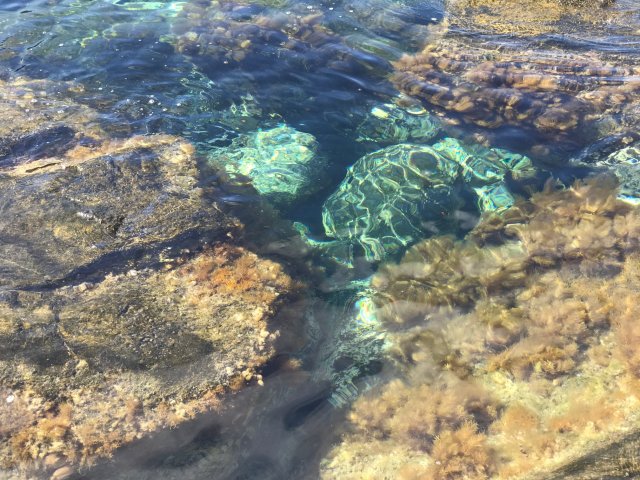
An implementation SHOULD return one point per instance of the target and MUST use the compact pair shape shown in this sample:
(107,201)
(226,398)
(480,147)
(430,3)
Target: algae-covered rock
(99,203)
(529,17)
(395,196)
(41,119)
(282,163)
(514,349)
(554,99)
(90,367)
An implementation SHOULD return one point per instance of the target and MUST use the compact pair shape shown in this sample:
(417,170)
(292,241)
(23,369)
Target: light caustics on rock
(393,197)
(281,163)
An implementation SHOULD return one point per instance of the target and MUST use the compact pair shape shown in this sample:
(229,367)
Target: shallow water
(561,91)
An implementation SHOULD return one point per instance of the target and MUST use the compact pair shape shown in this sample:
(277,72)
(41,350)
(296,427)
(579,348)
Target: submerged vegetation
(515,346)
(349,239)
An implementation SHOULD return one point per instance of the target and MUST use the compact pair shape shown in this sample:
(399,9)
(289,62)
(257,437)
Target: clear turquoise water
(123,54)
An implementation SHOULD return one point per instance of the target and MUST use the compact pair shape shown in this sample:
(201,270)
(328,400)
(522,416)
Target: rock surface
(96,203)
(90,367)
(282,163)
(395,196)
(531,17)
(124,306)
(40,119)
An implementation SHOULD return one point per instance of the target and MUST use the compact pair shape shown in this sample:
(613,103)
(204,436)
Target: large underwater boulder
(625,165)
(282,164)
(395,196)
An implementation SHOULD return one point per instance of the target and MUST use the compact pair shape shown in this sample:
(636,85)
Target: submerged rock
(100,204)
(393,197)
(388,124)
(625,164)
(397,24)
(41,119)
(514,349)
(505,86)
(281,163)
(289,59)
(90,367)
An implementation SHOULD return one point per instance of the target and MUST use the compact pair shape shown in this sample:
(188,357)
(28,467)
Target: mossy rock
(93,366)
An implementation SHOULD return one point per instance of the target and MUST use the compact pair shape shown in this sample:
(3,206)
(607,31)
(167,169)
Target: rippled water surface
(267,239)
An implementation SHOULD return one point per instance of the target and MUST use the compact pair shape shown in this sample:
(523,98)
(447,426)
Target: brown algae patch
(514,348)
(93,367)
(561,96)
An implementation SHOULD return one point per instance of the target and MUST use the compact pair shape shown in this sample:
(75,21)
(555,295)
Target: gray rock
(104,203)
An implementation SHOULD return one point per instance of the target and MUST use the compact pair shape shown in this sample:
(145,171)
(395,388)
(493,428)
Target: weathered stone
(88,370)
(104,202)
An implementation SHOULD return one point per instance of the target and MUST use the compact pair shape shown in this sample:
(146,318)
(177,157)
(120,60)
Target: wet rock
(514,354)
(281,163)
(100,204)
(90,369)
(569,99)
(395,196)
(41,119)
